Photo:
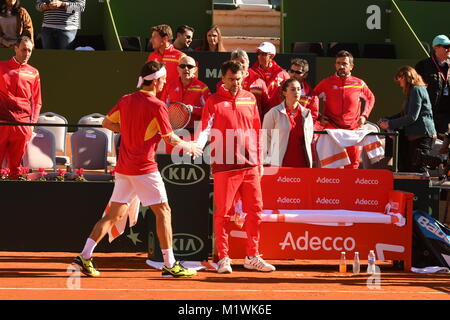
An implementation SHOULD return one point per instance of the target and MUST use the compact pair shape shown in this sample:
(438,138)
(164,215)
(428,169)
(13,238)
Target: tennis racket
(179,114)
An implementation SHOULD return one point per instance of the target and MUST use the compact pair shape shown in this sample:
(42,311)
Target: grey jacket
(277,127)
(417,117)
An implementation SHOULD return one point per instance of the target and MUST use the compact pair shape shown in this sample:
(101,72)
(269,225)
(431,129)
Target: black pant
(414,162)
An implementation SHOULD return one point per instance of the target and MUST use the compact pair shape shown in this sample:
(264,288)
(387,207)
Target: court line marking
(378,291)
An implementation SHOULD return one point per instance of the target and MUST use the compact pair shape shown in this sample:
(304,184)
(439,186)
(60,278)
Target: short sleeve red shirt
(143,121)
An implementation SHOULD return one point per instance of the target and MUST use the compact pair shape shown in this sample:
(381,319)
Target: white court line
(229,290)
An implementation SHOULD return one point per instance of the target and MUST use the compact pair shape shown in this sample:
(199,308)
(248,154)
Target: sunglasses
(297,72)
(446,47)
(189,66)
(260,53)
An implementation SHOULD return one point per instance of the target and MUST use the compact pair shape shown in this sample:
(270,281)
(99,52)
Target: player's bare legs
(163,224)
(116,212)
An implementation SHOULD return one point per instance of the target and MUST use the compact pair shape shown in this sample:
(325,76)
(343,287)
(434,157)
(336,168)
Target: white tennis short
(149,188)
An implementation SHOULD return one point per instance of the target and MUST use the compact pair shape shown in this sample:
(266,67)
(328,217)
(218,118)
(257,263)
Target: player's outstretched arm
(190,147)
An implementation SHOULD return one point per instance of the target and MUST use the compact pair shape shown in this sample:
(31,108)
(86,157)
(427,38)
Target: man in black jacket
(435,72)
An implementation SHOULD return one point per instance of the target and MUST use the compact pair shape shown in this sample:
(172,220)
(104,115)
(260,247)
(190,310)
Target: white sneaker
(258,263)
(224,265)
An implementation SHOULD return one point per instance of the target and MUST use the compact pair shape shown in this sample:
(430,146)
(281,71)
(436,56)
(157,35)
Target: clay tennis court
(126,276)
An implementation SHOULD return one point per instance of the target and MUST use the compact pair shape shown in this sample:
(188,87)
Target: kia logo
(183,174)
(185,244)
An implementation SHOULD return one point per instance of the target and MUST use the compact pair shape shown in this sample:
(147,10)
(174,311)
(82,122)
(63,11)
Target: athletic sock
(169,258)
(88,249)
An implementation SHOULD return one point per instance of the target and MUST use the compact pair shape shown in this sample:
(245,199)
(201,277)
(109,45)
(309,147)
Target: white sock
(169,258)
(88,248)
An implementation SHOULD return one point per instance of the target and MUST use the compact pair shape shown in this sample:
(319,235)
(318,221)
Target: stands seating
(89,149)
(41,150)
(308,47)
(335,47)
(130,43)
(97,119)
(379,50)
(60,134)
(225,5)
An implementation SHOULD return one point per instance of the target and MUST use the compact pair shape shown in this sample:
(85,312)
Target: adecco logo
(366,202)
(305,243)
(366,181)
(285,179)
(186,244)
(328,180)
(183,174)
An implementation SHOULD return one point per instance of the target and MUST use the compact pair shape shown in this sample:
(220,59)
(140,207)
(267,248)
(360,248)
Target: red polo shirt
(171,58)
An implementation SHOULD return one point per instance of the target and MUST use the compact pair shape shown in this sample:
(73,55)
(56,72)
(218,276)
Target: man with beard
(342,94)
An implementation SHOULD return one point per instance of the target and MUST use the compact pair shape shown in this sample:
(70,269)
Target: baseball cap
(267,47)
(441,40)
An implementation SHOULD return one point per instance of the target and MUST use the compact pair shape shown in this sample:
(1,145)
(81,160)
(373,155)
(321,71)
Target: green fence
(362,21)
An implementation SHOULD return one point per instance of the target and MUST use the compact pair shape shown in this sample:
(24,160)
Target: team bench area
(315,214)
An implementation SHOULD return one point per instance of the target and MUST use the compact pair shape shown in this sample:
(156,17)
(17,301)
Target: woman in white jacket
(288,130)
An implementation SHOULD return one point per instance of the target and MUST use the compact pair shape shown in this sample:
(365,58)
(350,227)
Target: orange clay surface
(126,276)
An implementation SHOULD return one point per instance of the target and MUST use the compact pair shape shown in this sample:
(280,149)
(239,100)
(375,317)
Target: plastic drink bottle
(356,263)
(343,263)
(371,262)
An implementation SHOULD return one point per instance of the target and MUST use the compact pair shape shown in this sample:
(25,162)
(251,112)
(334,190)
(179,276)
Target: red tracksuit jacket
(20,92)
(341,97)
(234,126)
(274,76)
(195,94)
(171,58)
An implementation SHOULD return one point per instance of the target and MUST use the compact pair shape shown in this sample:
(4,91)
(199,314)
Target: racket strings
(179,116)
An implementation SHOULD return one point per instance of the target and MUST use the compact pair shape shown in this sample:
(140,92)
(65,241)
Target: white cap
(267,47)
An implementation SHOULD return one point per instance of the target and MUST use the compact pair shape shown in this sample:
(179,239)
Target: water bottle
(343,263)
(356,264)
(371,262)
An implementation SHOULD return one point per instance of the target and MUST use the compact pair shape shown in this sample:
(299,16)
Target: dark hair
(14,9)
(182,29)
(231,65)
(205,45)
(22,38)
(300,63)
(163,30)
(286,84)
(149,68)
(344,53)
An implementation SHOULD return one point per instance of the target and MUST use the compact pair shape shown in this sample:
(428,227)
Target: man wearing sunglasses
(183,39)
(268,70)
(299,71)
(435,72)
(188,89)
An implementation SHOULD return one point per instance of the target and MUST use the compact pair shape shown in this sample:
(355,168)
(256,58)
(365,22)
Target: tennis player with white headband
(142,120)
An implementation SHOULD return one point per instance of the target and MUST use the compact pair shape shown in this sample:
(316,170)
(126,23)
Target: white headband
(156,75)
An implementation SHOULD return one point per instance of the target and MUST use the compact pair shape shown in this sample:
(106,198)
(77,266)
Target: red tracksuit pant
(13,144)
(226,185)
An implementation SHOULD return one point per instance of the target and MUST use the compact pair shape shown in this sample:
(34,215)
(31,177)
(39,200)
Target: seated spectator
(187,89)
(268,70)
(299,70)
(416,120)
(251,82)
(164,51)
(290,130)
(61,22)
(212,41)
(183,38)
(15,22)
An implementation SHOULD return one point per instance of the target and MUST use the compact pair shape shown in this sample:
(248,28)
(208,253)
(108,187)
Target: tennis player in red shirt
(231,118)
(20,101)
(142,120)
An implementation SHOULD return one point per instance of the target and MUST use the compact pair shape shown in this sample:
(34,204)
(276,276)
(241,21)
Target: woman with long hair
(15,22)
(415,120)
(290,130)
(212,40)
